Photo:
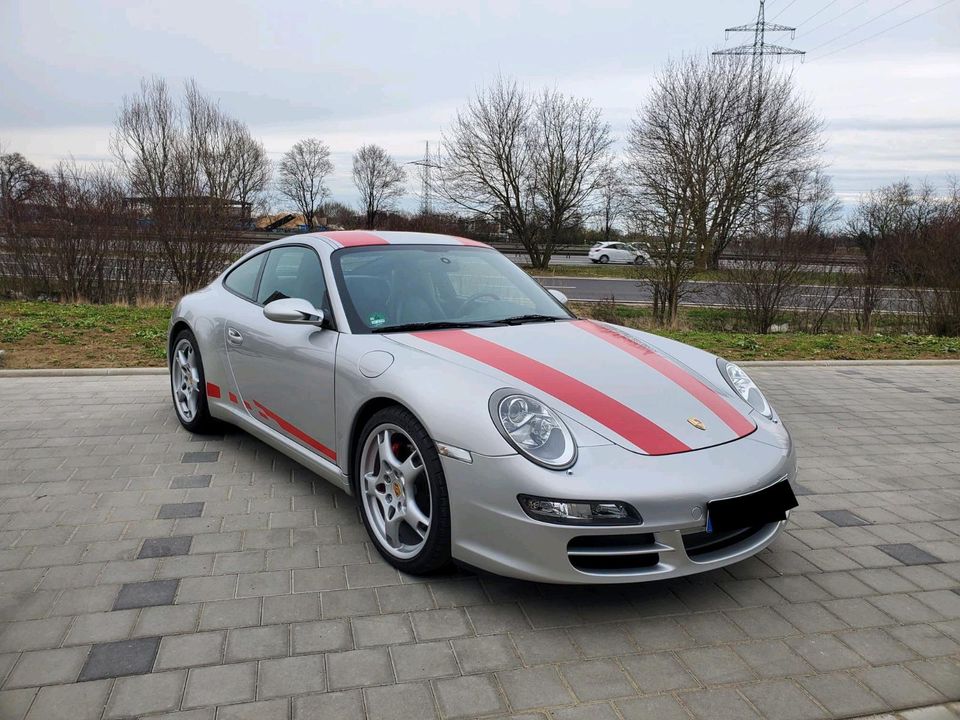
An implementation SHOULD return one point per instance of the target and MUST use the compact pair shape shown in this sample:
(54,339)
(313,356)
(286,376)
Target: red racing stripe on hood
(610,413)
(354,238)
(715,402)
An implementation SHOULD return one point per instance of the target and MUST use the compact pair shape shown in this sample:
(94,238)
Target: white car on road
(604,252)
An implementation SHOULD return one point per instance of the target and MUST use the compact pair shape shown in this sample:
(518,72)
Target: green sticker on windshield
(377,319)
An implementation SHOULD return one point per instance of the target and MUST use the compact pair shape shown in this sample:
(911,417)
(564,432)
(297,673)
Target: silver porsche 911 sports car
(475,418)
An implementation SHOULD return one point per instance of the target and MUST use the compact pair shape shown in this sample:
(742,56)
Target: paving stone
(257,642)
(220,684)
(382,630)
(190,481)
(942,674)
(545,646)
(772,659)
(80,701)
(899,687)
(346,705)
(165,547)
(406,598)
(146,594)
(359,668)
(782,700)
(602,640)
(528,688)
(486,654)
(660,707)
(597,680)
(717,704)
(716,666)
(467,697)
(180,510)
(400,702)
(437,624)
(167,620)
(115,659)
(842,518)
(230,614)
(349,603)
(909,554)
(264,710)
(46,667)
(322,636)
(156,692)
(200,457)
(876,646)
(15,703)
(424,660)
(291,676)
(180,651)
(101,627)
(658,672)
(841,695)
(300,607)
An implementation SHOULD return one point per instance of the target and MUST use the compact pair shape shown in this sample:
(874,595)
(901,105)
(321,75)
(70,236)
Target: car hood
(619,386)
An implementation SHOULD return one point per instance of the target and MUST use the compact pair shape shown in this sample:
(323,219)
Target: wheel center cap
(397,489)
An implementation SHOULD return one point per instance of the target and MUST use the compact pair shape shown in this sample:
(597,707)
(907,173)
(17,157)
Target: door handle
(234,336)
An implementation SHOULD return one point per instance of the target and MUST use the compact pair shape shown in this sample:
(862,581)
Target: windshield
(397,286)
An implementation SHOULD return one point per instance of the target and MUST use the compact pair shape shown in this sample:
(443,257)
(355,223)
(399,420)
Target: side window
(243,278)
(293,272)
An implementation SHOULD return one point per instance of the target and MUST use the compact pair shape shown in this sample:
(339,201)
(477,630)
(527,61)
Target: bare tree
(788,231)
(379,179)
(611,199)
(21,182)
(727,132)
(302,174)
(192,170)
(529,162)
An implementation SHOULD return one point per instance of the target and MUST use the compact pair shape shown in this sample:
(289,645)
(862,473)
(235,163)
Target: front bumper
(491,531)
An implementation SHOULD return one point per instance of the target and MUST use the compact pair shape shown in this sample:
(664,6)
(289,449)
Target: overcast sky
(358,71)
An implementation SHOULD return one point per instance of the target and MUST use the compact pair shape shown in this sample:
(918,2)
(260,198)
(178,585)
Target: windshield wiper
(521,319)
(435,325)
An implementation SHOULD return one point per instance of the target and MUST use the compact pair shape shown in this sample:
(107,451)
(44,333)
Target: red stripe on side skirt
(715,402)
(296,432)
(643,433)
(354,238)
(233,398)
(213,391)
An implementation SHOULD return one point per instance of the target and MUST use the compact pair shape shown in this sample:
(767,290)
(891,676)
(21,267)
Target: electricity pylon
(425,165)
(760,46)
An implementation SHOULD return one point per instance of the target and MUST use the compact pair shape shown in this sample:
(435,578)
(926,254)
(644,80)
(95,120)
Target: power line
(832,2)
(863,24)
(892,27)
(827,22)
(783,10)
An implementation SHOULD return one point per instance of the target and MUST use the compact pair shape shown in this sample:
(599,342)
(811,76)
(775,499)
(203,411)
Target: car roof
(337,239)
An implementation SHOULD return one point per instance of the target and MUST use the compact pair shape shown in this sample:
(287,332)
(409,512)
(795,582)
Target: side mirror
(558,295)
(293,311)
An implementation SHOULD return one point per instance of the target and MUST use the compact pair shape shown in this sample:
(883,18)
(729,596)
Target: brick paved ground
(146,572)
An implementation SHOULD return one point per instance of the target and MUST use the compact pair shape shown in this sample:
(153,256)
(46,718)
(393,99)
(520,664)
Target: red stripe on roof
(468,241)
(354,238)
(299,434)
(715,402)
(213,391)
(640,431)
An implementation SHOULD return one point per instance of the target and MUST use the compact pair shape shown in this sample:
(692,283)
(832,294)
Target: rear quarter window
(243,279)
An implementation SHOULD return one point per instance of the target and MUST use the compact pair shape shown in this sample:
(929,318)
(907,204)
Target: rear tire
(604,259)
(188,385)
(403,500)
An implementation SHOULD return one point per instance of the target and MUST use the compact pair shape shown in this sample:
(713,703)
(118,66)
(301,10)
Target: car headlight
(744,387)
(536,431)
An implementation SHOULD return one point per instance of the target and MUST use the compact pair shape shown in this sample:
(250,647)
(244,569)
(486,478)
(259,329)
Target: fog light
(579,512)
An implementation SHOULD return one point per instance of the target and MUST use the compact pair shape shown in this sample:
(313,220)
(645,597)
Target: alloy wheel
(185,378)
(396,493)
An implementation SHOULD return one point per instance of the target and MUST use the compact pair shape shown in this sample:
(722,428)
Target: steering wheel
(474,298)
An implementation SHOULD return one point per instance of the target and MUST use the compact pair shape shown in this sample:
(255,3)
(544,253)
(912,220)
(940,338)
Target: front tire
(402,492)
(188,385)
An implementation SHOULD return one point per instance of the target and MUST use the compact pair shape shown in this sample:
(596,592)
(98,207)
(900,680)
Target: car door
(618,253)
(285,372)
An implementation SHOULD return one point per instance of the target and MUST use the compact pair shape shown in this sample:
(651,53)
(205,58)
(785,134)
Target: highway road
(705,293)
